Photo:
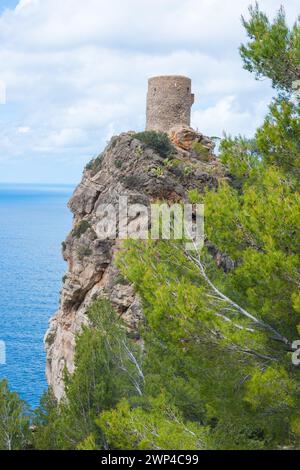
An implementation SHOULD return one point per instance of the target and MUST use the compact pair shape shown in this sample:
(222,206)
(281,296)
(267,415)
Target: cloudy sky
(76,74)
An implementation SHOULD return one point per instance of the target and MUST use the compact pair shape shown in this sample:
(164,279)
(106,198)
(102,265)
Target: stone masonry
(169,102)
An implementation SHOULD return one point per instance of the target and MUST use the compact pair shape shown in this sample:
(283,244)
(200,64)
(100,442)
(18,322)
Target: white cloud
(67,137)
(2,92)
(227,116)
(25,4)
(24,129)
(134,24)
(76,72)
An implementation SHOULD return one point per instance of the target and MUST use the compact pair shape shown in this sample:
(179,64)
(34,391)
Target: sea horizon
(34,221)
(28,184)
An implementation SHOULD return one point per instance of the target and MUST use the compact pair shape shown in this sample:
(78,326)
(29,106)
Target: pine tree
(14,420)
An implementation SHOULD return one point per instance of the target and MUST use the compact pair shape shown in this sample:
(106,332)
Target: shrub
(187,170)
(194,196)
(139,151)
(132,181)
(158,172)
(81,228)
(158,141)
(95,164)
(118,164)
(201,150)
(169,163)
(120,279)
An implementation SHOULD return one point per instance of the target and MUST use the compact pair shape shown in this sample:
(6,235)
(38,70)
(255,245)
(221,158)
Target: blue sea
(33,222)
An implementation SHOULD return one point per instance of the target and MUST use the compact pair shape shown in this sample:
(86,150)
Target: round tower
(169,102)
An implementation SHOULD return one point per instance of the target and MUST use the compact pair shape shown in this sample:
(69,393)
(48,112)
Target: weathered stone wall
(169,102)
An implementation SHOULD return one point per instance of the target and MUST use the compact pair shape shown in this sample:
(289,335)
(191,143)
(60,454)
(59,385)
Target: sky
(76,73)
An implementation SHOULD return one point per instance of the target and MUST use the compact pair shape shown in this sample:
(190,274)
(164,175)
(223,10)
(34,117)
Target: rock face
(188,139)
(127,167)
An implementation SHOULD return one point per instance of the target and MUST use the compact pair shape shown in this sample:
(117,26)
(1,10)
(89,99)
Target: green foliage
(201,151)
(46,420)
(159,426)
(158,141)
(139,151)
(271,386)
(81,228)
(259,230)
(278,140)
(88,443)
(273,49)
(104,374)
(241,156)
(208,367)
(169,162)
(158,172)
(95,164)
(187,170)
(118,164)
(194,196)
(14,420)
(132,181)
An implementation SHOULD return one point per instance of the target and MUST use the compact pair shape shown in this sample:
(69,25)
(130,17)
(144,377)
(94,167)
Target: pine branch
(222,297)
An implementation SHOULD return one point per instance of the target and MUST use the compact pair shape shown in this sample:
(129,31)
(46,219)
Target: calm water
(33,222)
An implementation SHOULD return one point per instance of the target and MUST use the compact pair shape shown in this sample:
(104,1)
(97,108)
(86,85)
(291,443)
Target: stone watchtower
(169,102)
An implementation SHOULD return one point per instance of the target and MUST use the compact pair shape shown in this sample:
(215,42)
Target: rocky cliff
(127,167)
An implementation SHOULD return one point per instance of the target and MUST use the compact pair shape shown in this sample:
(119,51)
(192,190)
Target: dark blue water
(33,222)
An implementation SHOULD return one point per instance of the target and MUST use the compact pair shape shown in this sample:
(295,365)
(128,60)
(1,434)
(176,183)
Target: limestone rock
(127,167)
(190,140)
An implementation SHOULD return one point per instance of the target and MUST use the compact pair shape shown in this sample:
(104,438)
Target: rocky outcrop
(188,139)
(127,167)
